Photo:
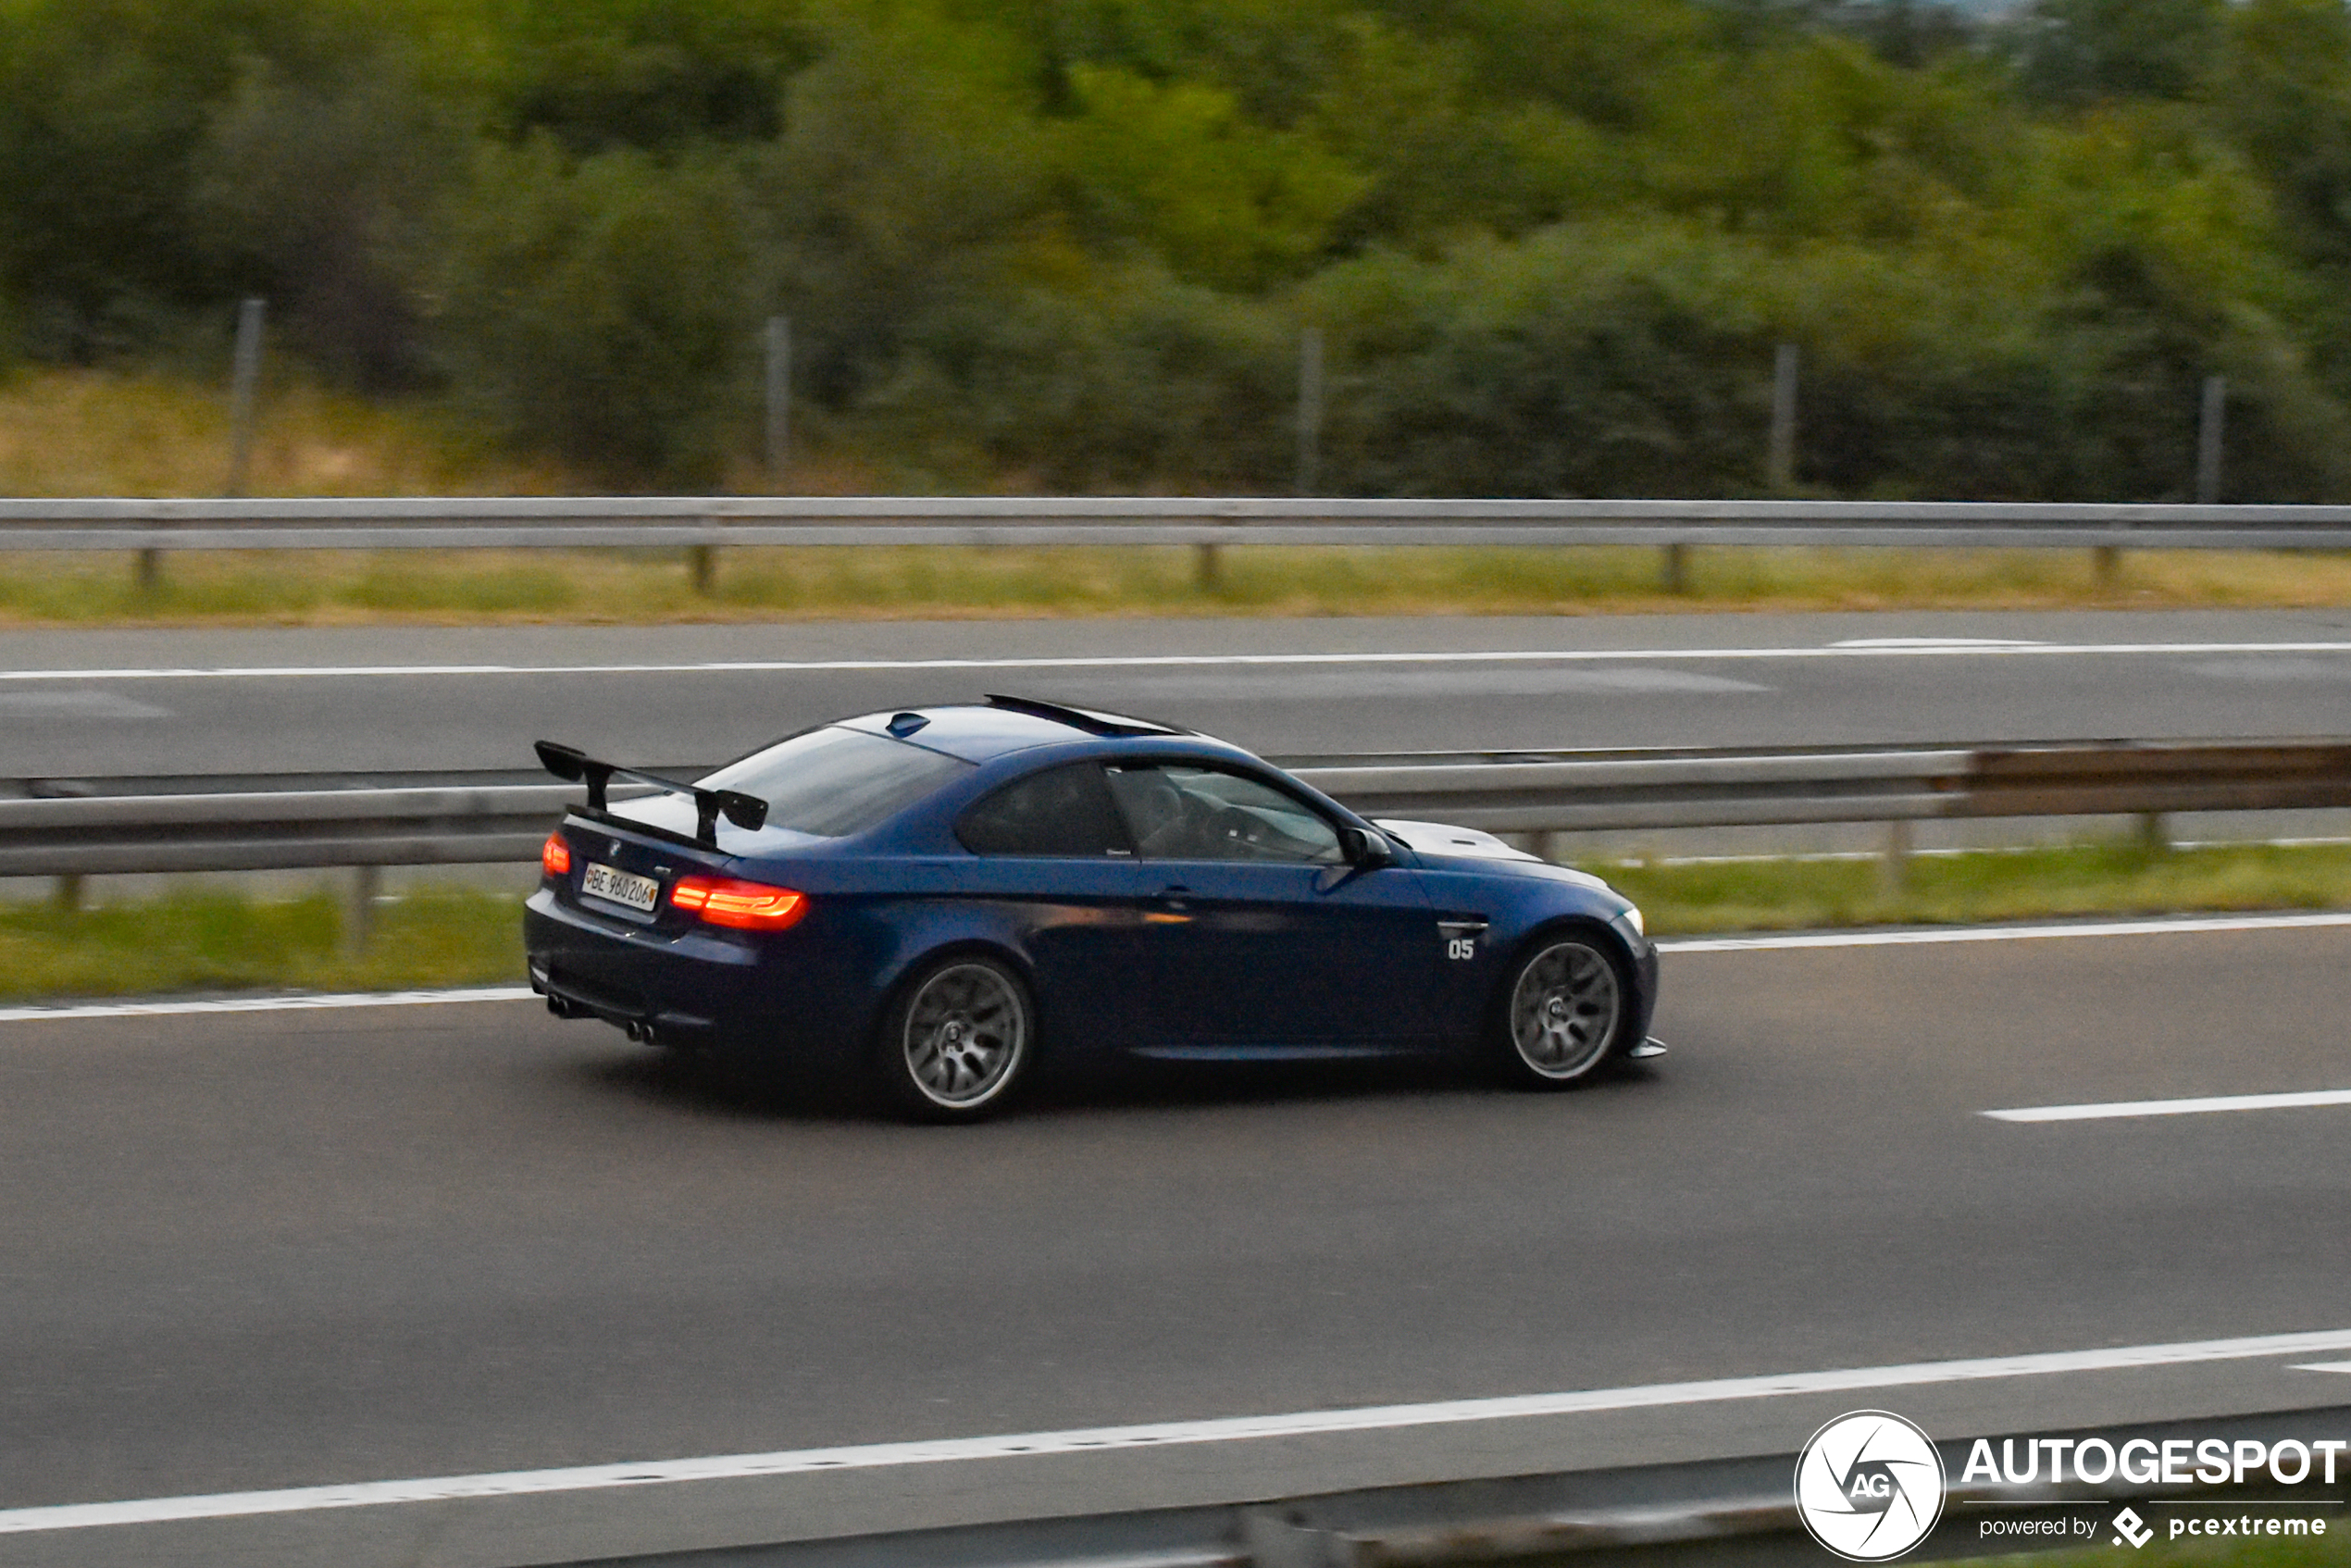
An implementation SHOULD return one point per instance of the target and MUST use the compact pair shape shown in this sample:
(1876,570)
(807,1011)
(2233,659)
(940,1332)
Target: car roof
(980,732)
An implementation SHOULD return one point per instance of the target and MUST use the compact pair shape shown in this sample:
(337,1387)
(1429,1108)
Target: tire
(1565,1008)
(957,1040)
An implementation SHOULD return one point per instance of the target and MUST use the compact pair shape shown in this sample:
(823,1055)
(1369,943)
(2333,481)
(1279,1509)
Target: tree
(2080,51)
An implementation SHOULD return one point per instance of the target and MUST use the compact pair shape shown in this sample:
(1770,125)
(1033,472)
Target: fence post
(779,398)
(240,394)
(1781,468)
(1309,411)
(2210,428)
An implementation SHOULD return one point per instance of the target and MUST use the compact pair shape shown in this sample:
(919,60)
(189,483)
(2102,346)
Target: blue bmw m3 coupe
(949,898)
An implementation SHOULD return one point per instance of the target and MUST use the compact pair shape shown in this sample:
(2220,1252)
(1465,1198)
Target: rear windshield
(834,782)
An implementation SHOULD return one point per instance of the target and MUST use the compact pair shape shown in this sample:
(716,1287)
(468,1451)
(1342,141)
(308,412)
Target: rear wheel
(1568,1002)
(957,1039)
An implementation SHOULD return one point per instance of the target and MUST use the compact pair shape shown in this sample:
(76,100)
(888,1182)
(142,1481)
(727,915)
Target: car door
(1053,847)
(1261,939)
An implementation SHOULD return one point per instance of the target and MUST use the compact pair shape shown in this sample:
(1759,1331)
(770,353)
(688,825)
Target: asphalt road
(158,702)
(273,1250)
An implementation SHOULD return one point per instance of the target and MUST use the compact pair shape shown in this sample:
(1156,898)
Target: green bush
(1136,380)
(600,306)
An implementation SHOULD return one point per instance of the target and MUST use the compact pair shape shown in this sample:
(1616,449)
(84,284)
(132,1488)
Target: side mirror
(1362,847)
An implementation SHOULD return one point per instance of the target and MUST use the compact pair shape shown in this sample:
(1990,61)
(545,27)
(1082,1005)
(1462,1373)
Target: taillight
(747,906)
(554,856)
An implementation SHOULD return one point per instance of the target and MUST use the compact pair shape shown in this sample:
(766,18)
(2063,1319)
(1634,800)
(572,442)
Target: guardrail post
(1893,864)
(2106,563)
(2154,833)
(1274,1539)
(359,908)
(1781,468)
(1208,571)
(703,560)
(1677,568)
(69,892)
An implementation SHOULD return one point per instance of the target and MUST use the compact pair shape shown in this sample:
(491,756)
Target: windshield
(833,782)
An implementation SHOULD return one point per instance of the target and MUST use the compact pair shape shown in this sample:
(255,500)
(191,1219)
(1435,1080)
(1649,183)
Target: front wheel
(1567,1004)
(956,1040)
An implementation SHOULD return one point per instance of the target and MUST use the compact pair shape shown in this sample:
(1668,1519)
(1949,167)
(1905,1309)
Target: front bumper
(1645,965)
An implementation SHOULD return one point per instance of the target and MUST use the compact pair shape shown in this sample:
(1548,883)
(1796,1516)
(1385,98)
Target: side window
(1063,810)
(1179,812)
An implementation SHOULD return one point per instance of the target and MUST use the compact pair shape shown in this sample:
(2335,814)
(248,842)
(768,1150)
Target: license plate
(637,892)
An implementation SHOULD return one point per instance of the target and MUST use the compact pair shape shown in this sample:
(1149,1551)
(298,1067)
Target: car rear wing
(571,765)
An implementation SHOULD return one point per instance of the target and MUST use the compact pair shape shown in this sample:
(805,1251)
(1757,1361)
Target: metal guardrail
(511,522)
(71,827)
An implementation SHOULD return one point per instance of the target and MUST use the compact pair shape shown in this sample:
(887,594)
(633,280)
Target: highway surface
(144,703)
(260,1250)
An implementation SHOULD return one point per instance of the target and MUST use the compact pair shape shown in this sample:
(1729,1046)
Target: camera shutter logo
(1868,1486)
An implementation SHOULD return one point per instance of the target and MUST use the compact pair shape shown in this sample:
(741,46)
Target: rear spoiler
(747,811)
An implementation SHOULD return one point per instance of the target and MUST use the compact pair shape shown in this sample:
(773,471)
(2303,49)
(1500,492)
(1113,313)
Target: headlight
(1631,920)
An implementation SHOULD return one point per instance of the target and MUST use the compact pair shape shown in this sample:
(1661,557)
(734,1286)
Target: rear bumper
(640,1017)
(694,990)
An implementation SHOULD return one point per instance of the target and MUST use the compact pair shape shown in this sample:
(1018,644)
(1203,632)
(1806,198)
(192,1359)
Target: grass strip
(752,583)
(210,938)
(2331,1550)
(2080,879)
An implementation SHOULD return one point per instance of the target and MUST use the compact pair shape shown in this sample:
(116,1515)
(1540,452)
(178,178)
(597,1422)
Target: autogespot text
(2178,1462)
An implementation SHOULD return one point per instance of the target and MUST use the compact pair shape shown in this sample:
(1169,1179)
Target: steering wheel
(1232,825)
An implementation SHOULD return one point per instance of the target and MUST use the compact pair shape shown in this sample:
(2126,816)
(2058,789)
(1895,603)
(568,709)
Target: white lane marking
(1150,661)
(1928,937)
(264,1004)
(2174,1107)
(1304,1423)
(1939,642)
(2324,1366)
